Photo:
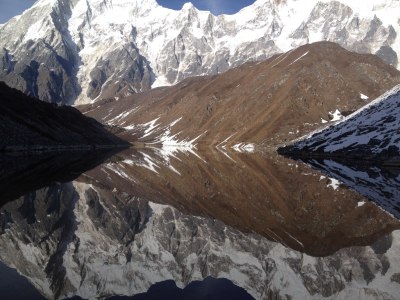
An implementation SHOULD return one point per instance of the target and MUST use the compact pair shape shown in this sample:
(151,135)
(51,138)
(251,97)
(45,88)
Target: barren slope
(263,103)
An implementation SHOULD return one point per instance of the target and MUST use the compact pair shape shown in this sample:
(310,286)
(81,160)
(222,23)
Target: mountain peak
(187,6)
(89,44)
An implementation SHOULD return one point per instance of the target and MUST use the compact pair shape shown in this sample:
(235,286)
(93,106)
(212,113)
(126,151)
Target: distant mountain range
(81,51)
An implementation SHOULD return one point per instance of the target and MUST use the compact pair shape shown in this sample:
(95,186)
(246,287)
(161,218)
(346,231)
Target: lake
(169,223)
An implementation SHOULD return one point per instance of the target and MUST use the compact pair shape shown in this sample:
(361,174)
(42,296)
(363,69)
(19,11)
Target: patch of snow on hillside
(377,120)
(150,126)
(336,115)
(297,59)
(334,183)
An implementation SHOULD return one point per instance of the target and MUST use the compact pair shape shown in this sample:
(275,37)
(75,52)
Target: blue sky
(10,8)
(215,6)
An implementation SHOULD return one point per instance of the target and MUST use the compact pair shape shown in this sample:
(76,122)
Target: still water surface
(153,223)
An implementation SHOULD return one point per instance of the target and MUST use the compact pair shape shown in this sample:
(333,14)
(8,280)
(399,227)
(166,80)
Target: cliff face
(27,124)
(82,51)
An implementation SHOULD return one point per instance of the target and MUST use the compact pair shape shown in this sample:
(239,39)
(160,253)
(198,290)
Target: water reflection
(20,174)
(268,194)
(379,184)
(273,227)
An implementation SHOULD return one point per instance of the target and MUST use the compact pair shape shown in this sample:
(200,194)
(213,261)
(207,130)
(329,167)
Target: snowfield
(100,38)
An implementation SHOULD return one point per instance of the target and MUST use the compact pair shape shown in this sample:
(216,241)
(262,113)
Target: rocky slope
(79,51)
(109,243)
(262,103)
(371,133)
(27,124)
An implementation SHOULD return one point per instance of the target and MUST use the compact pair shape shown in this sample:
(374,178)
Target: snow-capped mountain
(372,132)
(82,50)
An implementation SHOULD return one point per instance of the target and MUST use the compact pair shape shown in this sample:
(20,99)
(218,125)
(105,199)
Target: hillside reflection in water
(270,225)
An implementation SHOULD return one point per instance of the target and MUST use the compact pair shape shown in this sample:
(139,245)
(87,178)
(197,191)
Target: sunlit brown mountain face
(265,103)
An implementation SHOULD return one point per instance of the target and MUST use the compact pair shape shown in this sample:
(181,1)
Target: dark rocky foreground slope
(27,124)
(372,134)
(264,103)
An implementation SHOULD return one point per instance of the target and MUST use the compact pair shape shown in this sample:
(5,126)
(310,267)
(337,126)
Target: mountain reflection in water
(272,226)
(379,184)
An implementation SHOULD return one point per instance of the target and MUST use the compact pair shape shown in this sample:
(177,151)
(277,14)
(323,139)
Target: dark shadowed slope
(21,174)
(27,124)
(263,103)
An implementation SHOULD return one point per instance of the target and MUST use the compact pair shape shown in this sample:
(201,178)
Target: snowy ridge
(372,129)
(99,38)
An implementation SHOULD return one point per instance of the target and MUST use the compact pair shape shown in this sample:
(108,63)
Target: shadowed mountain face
(262,103)
(20,174)
(27,124)
(272,226)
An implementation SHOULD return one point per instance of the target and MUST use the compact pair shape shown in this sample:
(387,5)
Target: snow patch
(336,115)
(297,59)
(334,183)
(244,148)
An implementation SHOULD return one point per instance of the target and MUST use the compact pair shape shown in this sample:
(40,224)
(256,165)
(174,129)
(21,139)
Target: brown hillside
(265,103)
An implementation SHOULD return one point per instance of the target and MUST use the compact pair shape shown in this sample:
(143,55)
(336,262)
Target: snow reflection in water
(271,226)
